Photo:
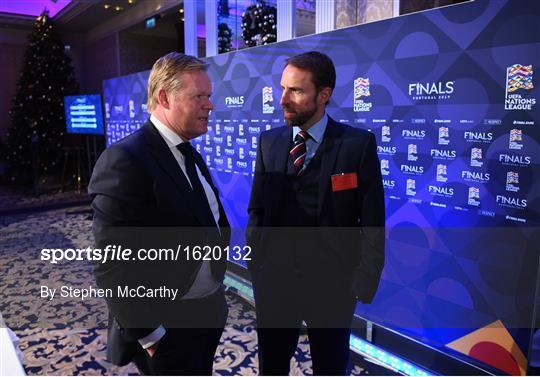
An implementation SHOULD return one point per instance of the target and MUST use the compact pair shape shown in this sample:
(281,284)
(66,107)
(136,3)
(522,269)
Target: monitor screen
(84,114)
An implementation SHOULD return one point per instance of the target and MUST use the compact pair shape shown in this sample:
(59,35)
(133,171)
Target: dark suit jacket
(350,221)
(142,199)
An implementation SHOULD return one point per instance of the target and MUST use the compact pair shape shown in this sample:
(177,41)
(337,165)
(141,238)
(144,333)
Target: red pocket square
(344,181)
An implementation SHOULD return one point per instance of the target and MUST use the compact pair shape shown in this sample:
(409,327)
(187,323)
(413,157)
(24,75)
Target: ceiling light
(106,6)
(118,8)
(182,10)
(130,1)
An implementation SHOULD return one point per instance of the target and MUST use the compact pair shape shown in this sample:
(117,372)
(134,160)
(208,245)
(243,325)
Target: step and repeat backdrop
(451,96)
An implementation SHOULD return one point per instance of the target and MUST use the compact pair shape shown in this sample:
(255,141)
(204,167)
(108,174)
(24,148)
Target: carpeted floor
(68,337)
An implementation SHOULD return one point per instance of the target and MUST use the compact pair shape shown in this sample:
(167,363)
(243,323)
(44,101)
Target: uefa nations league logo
(267,100)
(519,78)
(361,89)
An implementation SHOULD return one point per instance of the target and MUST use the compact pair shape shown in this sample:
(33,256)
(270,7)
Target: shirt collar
(316,132)
(170,137)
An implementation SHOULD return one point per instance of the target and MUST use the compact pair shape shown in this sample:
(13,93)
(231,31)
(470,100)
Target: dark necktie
(200,195)
(298,152)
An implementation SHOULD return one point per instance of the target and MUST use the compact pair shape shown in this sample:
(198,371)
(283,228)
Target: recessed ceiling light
(130,1)
(106,6)
(182,10)
(118,8)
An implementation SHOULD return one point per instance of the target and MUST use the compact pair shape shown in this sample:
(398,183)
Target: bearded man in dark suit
(316,224)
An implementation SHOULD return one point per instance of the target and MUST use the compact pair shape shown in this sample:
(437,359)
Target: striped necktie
(298,152)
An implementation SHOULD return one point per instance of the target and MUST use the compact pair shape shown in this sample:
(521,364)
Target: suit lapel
(331,145)
(281,147)
(166,160)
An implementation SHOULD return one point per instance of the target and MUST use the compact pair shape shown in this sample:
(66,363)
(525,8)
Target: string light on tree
(37,114)
(259,24)
(224,38)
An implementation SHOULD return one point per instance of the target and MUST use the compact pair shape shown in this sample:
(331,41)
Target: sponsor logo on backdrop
(474,196)
(218,151)
(412,152)
(442,171)
(361,89)
(492,122)
(208,149)
(240,129)
(514,160)
(254,129)
(208,160)
(386,150)
(411,187)
(412,169)
(218,129)
(252,154)
(523,122)
(229,141)
(518,77)
(254,142)
(229,163)
(228,129)
(234,102)
(118,109)
(516,138)
(385,134)
(131,106)
(385,167)
(241,164)
(241,141)
(443,154)
(444,136)
(413,134)
(418,121)
(508,201)
(268,100)
(218,162)
(512,181)
(207,139)
(472,176)
(476,157)
(481,137)
(241,153)
(431,90)
(447,192)
(389,183)
(218,139)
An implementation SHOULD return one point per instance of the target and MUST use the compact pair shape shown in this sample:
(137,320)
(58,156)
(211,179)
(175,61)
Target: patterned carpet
(12,198)
(69,337)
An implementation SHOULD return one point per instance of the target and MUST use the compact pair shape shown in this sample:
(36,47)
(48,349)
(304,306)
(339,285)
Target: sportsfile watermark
(151,271)
(113,253)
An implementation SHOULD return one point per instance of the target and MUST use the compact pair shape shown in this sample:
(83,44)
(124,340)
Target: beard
(300,117)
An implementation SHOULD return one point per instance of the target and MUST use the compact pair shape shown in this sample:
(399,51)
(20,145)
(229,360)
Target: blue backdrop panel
(451,96)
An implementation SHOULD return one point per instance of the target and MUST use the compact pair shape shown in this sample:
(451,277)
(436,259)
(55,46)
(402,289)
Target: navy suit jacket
(142,199)
(352,220)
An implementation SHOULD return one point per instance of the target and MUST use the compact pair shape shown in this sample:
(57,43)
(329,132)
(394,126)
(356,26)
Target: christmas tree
(36,133)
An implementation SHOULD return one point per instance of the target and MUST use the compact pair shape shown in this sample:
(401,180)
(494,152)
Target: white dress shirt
(204,284)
